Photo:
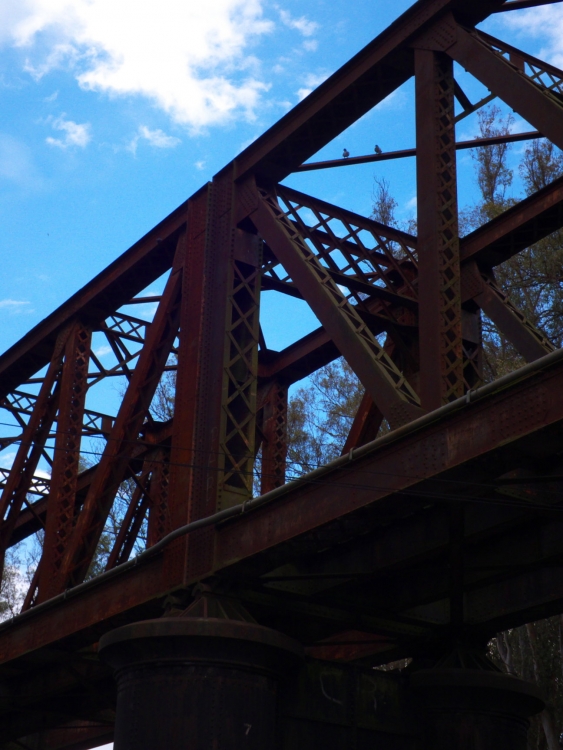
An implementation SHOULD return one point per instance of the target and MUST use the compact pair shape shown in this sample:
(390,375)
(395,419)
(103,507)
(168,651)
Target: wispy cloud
(302,24)
(101,351)
(156,138)
(311,81)
(544,22)
(15,306)
(74,133)
(7,459)
(190,59)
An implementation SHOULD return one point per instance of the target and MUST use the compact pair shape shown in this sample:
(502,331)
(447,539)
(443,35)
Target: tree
(321,412)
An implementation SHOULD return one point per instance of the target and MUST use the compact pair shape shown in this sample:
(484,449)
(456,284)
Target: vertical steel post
(66,462)
(195,435)
(274,430)
(215,405)
(159,514)
(438,240)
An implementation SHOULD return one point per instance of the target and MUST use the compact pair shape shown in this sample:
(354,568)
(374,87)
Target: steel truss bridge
(445,529)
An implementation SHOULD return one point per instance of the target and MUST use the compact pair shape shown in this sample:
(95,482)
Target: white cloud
(188,58)
(7,459)
(75,134)
(312,80)
(156,138)
(544,22)
(303,25)
(200,164)
(310,45)
(14,306)
(101,351)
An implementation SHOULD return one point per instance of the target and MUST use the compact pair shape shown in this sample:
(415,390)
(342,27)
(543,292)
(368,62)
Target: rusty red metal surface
(448,525)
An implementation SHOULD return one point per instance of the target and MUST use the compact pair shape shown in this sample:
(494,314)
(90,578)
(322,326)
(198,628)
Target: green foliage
(320,415)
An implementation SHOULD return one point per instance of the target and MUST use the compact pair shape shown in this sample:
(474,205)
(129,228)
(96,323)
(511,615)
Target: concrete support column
(473,709)
(197,683)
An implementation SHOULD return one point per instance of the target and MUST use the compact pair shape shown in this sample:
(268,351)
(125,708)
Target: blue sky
(115,111)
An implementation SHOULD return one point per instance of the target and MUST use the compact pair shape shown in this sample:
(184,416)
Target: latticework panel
(374,260)
(356,340)
(241,370)
(546,76)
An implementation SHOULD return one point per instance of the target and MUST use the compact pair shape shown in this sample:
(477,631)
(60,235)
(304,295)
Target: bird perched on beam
(345,153)
(377,149)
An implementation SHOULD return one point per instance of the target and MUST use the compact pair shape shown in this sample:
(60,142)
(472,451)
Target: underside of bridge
(423,540)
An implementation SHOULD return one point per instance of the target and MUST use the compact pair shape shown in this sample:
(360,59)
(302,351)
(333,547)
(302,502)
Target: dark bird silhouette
(377,150)
(345,153)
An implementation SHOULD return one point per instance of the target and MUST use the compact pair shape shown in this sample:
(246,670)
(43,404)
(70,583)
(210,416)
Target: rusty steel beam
(520,226)
(300,359)
(408,152)
(93,609)
(159,514)
(375,369)
(354,89)
(479,429)
(536,105)
(194,459)
(64,475)
(240,367)
(439,295)
(274,431)
(349,219)
(365,426)
(515,229)
(521,4)
(529,342)
(132,521)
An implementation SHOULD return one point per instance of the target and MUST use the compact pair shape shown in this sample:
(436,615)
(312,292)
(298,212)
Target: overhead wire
(432,496)
(308,466)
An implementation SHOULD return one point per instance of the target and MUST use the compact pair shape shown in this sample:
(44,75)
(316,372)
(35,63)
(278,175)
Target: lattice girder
(352,336)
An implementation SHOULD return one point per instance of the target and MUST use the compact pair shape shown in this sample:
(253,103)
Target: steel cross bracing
(448,522)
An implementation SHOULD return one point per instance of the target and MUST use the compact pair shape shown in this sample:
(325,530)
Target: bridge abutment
(466,709)
(197,683)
